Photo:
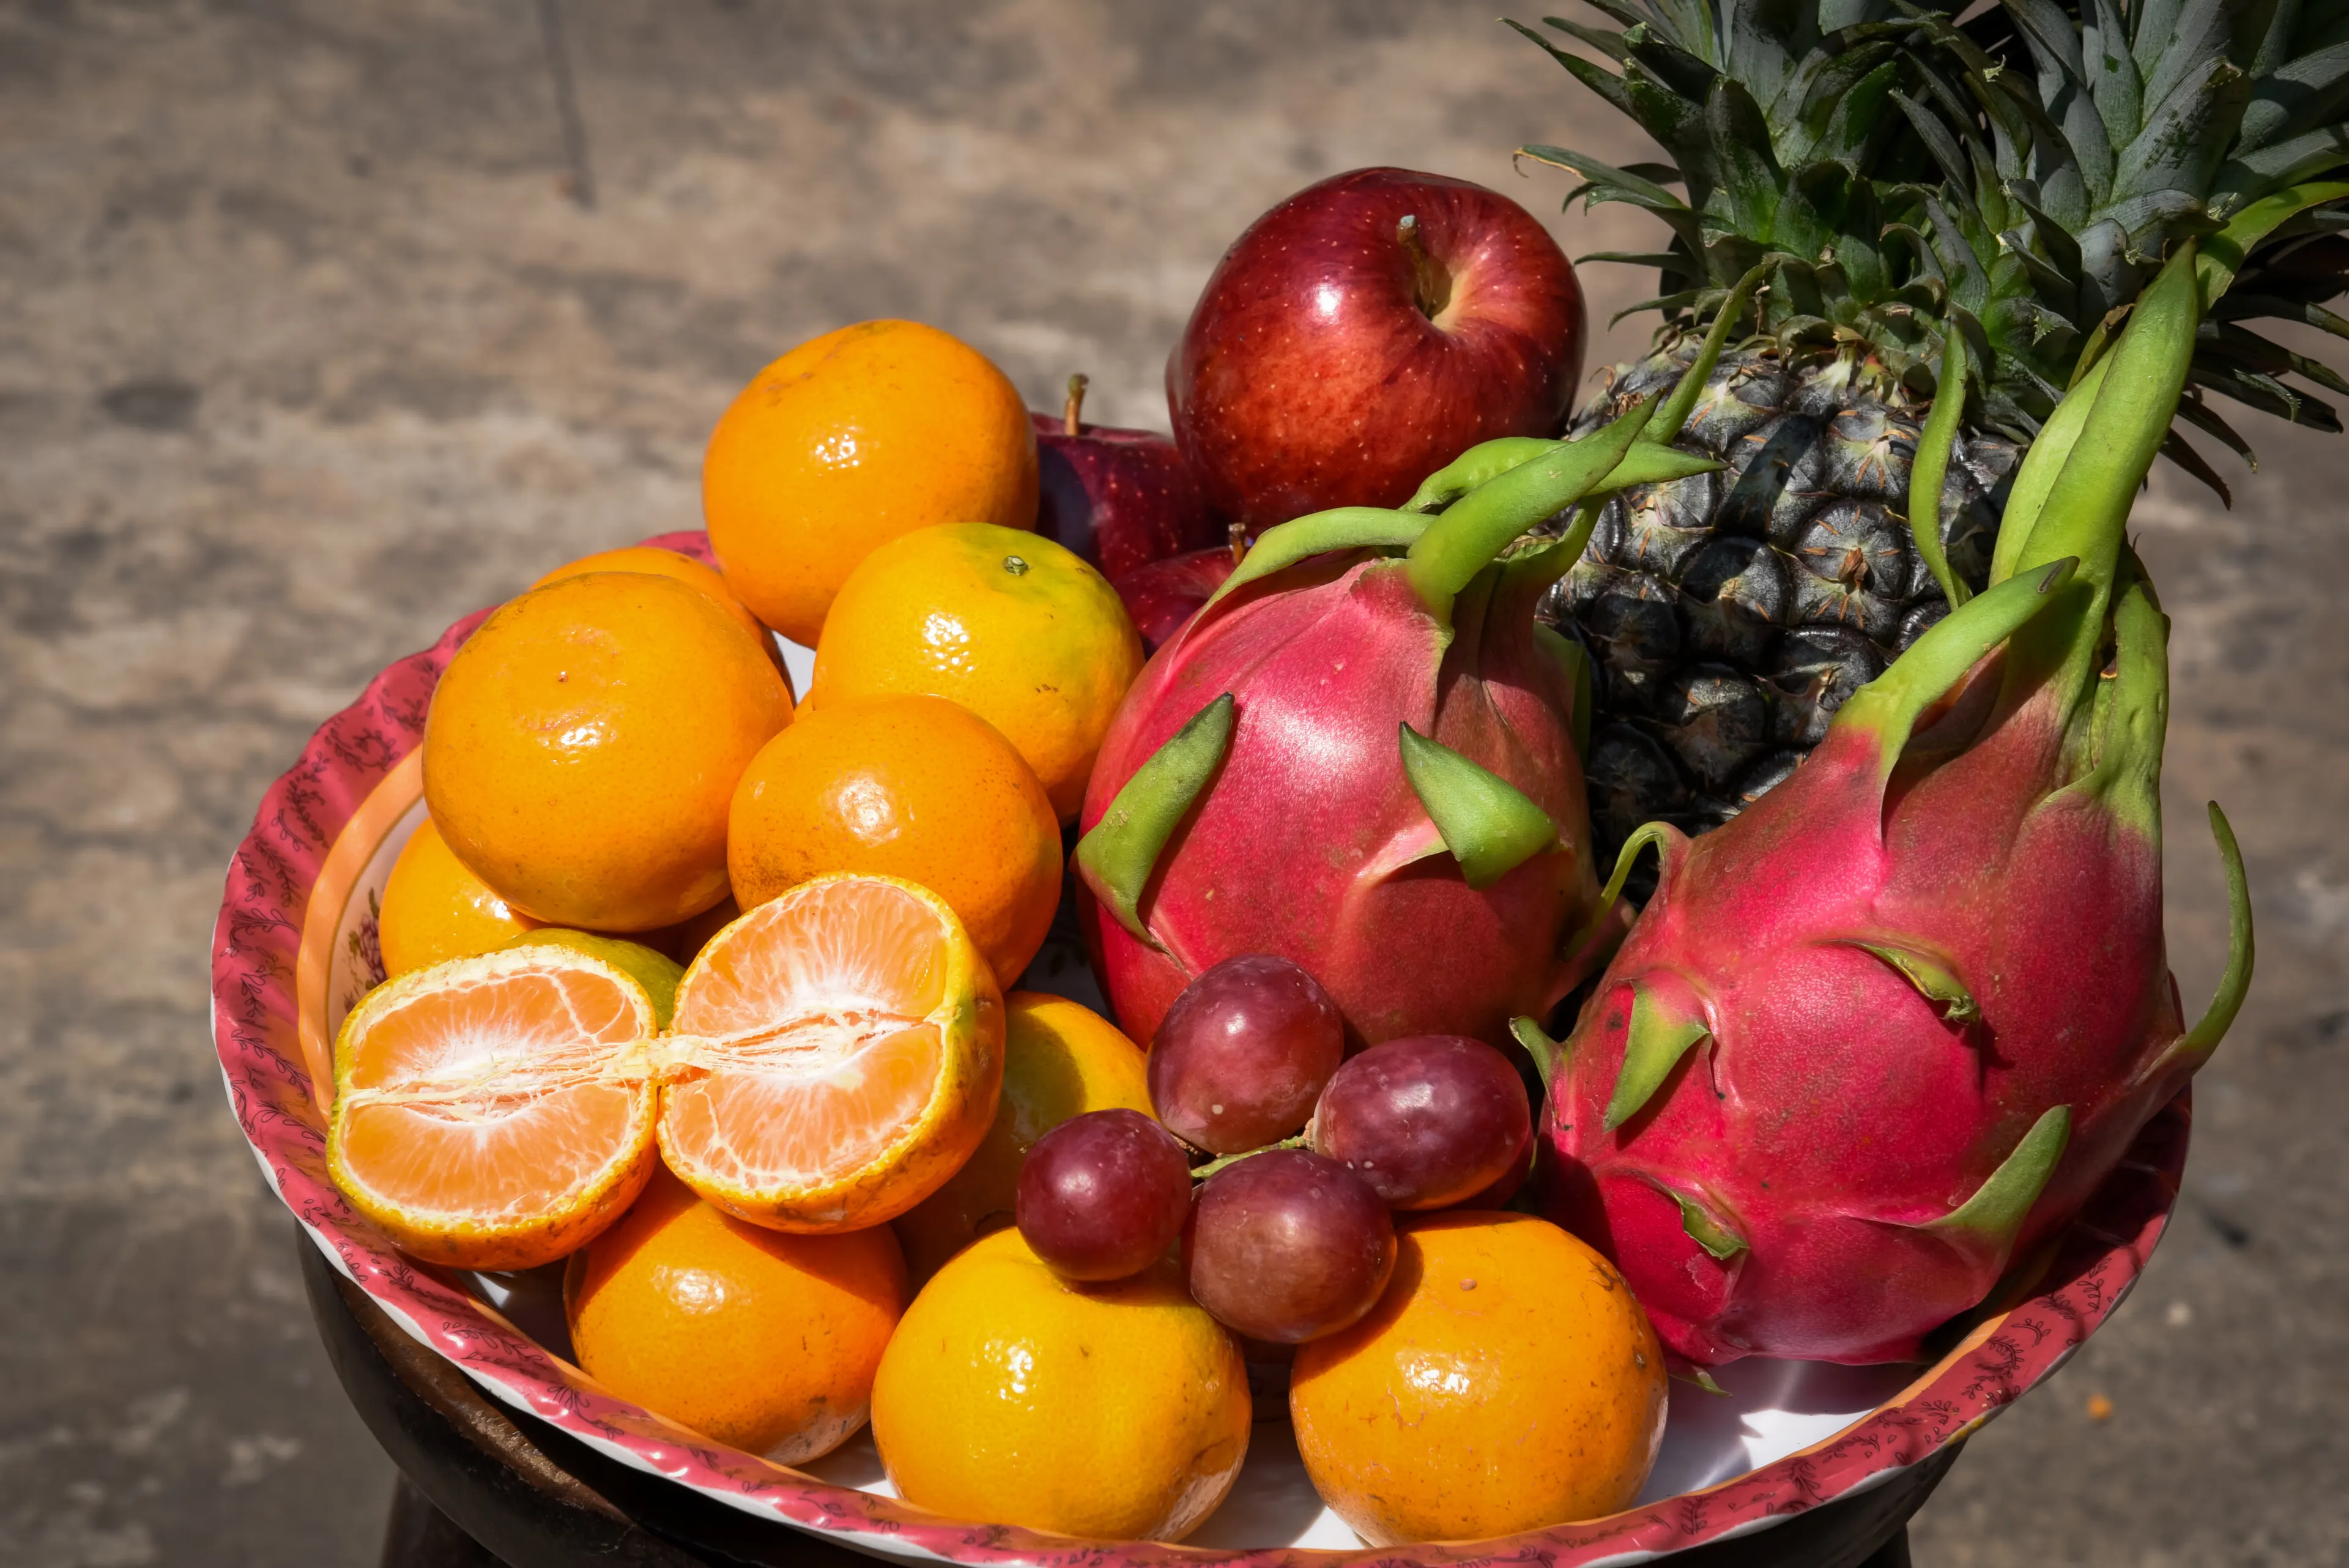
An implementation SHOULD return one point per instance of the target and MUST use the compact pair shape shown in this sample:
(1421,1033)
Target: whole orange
(1506,1381)
(663,563)
(1016,628)
(763,1340)
(1061,1059)
(915,787)
(434,908)
(584,745)
(1118,1411)
(848,441)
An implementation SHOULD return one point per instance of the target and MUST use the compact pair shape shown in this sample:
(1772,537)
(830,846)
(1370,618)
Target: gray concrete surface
(307,347)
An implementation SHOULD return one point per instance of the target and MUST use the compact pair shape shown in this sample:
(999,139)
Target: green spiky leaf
(2195,1045)
(1892,704)
(1703,1379)
(1931,467)
(1705,1228)
(1996,1211)
(1930,974)
(1660,1034)
(2236,983)
(1668,840)
(1491,827)
(1480,464)
(1318,534)
(1548,1054)
(1117,857)
(1465,538)
(1911,173)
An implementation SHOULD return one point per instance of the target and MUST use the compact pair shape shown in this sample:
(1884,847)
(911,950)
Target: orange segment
(837,1055)
(496,1112)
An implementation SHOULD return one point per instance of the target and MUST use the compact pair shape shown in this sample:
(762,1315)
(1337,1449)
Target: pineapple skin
(1729,615)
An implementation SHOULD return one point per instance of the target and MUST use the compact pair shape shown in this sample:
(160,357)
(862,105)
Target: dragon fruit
(1361,755)
(1875,1040)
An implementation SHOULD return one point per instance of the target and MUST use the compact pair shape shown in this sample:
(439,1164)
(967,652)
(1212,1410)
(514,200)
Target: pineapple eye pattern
(1917,180)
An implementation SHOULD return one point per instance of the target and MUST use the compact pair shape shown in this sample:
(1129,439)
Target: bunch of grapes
(1286,1230)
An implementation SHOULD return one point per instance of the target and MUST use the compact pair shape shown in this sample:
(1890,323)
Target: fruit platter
(1416,967)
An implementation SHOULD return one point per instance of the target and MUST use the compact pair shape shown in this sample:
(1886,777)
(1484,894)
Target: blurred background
(322,324)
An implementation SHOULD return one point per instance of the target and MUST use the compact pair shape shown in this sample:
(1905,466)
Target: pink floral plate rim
(256,1033)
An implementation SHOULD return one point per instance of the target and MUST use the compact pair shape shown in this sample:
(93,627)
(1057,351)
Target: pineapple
(1922,191)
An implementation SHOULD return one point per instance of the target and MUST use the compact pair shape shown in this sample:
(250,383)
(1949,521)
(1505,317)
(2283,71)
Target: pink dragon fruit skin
(1881,1036)
(1299,849)
(1320,717)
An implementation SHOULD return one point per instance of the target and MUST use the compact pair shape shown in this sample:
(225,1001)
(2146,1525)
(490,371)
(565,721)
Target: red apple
(1165,594)
(1120,498)
(1363,333)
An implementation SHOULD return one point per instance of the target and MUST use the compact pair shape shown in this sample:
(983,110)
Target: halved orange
(497,1112)
(836,1055)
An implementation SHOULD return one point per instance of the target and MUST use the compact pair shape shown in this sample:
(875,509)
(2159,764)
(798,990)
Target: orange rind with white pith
(836,1055)
(496,1112)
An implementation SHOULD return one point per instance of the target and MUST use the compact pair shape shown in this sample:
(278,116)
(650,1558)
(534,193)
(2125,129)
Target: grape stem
(1201,1173)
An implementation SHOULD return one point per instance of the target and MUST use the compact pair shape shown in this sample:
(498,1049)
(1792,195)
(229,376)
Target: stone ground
(309,344)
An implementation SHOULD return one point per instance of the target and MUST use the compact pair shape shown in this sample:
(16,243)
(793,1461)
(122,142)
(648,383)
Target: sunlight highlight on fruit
(434,908)
(1119,1412)
(582,747)
(764,1341)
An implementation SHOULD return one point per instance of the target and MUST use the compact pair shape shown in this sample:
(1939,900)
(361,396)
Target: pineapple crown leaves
(1781,122)
(2010,183)
(2116,131)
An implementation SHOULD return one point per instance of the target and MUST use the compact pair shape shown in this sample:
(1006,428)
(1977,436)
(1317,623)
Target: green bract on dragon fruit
(1362,755)
(1873,1041)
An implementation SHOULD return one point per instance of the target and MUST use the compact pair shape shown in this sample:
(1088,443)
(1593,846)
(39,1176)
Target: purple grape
(1520,1171)
(1287,1246)
(1427,1121)
(1103,1195)
(1244,1053)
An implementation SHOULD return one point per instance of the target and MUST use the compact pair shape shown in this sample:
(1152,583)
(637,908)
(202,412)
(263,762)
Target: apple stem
(1238,534)
(1431,284)
(1069,409)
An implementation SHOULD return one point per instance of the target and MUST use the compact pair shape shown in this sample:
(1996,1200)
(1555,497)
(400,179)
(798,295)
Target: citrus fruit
(584,744)
(1506,1381)
(1061,1059)
(687,938)
(763,1341)
(905,786)
(434,908)
(1118,1411)
(1015,628)
(848,441)
(663,563)
(836,1055)
(655,972)
(496,1112)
